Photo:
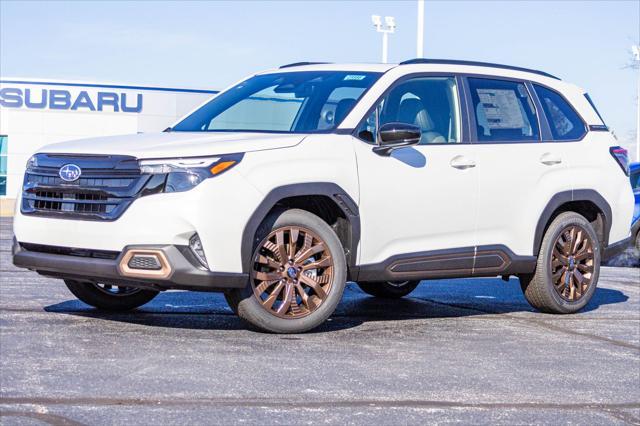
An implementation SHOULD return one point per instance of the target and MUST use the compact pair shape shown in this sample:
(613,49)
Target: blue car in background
(635,184)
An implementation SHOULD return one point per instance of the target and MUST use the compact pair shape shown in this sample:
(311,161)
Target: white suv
(286,185)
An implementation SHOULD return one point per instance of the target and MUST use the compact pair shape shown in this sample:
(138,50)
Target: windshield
(292,102)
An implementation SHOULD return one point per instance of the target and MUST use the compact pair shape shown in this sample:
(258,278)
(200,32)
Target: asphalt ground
(458,351)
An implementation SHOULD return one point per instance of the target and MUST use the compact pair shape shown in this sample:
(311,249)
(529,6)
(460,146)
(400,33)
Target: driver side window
(430,103)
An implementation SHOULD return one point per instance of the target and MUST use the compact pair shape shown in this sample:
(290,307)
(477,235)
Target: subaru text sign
(60,99)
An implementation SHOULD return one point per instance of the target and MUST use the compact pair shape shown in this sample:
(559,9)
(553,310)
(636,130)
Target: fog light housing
(149,262)
(196,248)
(145,263)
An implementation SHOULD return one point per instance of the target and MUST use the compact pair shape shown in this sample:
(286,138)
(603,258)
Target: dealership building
(35,112)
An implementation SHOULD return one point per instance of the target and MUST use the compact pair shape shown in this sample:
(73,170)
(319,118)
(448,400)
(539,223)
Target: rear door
(520,166)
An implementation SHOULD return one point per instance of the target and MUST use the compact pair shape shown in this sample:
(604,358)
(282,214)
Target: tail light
(622,158)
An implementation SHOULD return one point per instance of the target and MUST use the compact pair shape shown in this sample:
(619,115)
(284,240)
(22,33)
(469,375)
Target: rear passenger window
(564,121)
(504,111)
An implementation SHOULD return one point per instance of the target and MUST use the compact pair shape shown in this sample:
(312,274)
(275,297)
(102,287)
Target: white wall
(28,129)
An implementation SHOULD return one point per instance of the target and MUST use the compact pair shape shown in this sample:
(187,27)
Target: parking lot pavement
(468,351)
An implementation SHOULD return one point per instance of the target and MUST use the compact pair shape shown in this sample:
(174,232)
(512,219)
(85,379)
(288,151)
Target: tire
(638,241)
(273,300)
(388,289)
(110,298)
(554,287)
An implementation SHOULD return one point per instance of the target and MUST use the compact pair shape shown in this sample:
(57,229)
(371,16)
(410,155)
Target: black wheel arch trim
(572,196)
(328,189)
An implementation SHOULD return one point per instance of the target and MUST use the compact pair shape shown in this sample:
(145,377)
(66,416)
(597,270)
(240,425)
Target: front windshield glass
(291,102)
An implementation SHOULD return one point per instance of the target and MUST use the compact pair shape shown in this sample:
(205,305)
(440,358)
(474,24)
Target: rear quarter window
(564,121)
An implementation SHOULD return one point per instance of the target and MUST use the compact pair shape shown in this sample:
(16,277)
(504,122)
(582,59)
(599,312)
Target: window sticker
(501,108)
(354,77)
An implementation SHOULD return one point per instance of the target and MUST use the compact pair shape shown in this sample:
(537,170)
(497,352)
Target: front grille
(45,200)
(106,188)
(80,202)
(84,182)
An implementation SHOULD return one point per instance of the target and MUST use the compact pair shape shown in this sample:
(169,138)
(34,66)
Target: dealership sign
(58,99)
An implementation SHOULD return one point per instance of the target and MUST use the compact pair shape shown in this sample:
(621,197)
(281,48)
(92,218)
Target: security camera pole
(636,55)
(390,28)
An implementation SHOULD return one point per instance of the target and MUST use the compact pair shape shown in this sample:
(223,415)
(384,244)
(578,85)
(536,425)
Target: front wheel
(388,289)
(298,274)
(567,269)
(110,297)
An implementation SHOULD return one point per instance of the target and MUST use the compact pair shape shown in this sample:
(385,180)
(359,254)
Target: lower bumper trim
(186,273)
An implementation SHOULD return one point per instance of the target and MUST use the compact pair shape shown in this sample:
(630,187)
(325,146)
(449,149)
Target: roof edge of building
(93,84)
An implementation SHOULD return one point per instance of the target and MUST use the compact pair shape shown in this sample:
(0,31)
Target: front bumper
(184,274)
(217,210)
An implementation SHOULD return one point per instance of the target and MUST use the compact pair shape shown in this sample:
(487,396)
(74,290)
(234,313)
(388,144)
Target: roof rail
(297,64)
(480,64)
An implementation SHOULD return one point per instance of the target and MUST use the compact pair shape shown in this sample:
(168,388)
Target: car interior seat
(412,111)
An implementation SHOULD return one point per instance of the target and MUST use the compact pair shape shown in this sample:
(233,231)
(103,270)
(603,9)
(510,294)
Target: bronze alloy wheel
(572,263)
(293,272)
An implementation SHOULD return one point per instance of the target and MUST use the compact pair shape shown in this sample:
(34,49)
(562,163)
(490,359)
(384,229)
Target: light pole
(636,55)
(390,28)
(420,30)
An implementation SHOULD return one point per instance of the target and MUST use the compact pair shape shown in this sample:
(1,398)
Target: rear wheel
(567,269)
(110,297)
(388,289)
(298,274)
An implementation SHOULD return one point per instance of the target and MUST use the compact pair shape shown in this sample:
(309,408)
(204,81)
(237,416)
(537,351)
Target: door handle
(549,159)
(461,162)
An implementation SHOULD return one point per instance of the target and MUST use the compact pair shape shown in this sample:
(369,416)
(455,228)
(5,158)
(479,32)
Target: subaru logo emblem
(292,272)
(69,172)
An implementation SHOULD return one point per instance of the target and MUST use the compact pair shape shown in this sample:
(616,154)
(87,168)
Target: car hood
(175,144)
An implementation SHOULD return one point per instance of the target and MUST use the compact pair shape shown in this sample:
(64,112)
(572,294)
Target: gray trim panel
(481,261)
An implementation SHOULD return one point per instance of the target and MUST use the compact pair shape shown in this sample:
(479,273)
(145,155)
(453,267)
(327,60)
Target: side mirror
(396,135)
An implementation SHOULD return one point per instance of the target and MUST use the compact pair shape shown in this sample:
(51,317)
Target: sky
(213,44)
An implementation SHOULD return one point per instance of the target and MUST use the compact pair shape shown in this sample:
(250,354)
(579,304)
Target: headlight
(186,173)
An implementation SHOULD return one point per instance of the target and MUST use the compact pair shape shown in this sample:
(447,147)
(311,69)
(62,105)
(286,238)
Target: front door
(418,206)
